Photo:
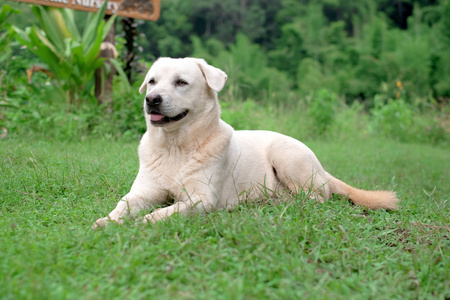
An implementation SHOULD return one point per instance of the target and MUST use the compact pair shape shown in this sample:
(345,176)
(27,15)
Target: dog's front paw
(151,218)
(148,219)
(102,222)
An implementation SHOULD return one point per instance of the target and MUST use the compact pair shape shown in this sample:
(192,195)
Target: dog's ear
(144,84)
(215,77)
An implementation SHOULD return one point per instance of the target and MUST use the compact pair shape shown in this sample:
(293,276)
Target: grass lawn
(51,192)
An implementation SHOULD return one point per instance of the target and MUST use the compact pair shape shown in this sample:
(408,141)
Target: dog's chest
(172,170)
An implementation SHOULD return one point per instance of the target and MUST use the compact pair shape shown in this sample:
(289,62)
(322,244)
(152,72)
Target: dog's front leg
(193,205)
(144,194)
(128,205)
(131,204)
(164,213)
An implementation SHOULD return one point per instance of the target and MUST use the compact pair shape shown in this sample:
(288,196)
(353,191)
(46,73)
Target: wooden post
(103,78)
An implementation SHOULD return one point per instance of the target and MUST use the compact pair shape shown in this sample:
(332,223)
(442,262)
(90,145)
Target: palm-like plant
(71,57)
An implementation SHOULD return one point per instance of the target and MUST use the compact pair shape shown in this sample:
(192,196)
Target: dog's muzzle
(152,107)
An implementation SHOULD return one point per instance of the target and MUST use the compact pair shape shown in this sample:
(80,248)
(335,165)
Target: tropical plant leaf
(93,24)
(108,26)
(58,19)
(94,48)
(42,37)
(37,13)
(5,12)
(68,48)
(5,55)
(50,29)
(70,23)
(77,52)
(22,35)
(122,74)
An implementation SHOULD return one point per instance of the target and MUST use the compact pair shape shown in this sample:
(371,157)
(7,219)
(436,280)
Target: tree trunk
(103,76)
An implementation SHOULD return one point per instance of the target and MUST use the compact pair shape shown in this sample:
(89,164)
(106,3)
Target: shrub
(249,115)
(322,110)
(392,119)
(5,34)
(32,111)
(402,121)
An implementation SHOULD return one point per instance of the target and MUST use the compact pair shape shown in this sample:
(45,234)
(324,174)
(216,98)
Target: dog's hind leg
(297,168)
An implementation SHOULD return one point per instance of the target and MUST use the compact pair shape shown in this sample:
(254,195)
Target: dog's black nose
(153,100)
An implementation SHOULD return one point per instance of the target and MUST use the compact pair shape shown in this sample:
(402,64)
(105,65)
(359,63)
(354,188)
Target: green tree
(170,35)
(250,75)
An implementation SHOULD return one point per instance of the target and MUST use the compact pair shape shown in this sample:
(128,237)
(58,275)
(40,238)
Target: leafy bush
(5,12)
(402,121)
(393,119)
(32,111)
(249,115)
(5,54)
(349,123)
(322,110)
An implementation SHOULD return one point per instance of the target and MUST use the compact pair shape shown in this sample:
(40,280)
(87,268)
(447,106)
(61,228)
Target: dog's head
(178,89)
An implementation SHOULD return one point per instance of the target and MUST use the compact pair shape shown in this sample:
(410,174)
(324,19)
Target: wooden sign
(138,9)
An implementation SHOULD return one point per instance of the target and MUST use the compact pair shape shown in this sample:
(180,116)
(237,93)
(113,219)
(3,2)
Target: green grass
(51,192)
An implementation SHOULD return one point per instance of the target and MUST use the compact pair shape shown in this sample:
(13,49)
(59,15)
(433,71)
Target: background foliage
(384,62)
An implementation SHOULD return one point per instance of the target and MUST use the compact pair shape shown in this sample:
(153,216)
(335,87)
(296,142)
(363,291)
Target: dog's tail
(369,199)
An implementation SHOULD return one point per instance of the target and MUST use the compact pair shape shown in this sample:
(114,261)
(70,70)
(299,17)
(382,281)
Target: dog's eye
(151,81)
(180,82)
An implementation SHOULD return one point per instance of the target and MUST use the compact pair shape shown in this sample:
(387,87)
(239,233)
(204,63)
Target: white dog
(191,157)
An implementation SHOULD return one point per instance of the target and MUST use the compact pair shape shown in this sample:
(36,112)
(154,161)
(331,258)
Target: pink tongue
(156,117)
